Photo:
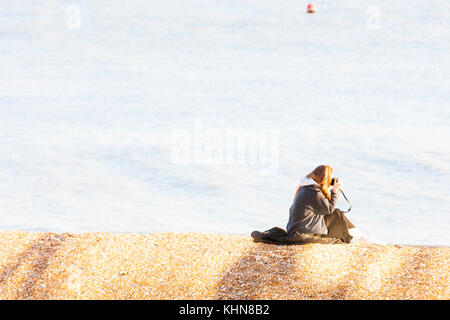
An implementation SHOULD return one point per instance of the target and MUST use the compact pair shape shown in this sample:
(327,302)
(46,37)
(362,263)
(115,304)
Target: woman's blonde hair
(322,175)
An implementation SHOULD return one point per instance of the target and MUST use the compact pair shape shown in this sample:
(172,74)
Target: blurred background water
(92,91)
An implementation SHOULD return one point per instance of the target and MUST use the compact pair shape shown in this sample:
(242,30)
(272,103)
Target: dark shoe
(257,236)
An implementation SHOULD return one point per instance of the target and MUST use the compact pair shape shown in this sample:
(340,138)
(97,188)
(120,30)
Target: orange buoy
(311,8)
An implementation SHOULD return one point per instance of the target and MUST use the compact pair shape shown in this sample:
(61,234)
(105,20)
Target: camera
(332,181)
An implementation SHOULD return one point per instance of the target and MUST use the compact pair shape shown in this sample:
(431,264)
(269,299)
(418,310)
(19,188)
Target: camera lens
(332,181)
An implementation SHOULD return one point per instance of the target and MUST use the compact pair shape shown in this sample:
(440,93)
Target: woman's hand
(337,185)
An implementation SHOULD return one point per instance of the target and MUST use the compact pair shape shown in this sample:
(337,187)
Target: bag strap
(347,201)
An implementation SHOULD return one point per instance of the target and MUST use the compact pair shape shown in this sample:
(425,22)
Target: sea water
(114,115)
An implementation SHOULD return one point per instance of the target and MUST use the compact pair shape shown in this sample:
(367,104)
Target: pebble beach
(159,266)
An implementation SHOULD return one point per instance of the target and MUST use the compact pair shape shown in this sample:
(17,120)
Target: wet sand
(37,265)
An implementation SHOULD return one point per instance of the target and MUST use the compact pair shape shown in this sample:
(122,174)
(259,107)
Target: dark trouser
(337,225)
(304,238)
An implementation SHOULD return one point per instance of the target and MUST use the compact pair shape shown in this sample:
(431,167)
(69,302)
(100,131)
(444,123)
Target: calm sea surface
(116,116)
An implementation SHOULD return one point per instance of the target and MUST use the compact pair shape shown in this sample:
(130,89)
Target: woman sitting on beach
(313,217)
